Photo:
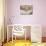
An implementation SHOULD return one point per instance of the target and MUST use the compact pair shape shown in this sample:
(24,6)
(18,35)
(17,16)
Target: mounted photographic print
(26,9)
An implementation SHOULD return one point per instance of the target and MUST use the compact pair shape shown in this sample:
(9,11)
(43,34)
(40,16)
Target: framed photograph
(26,9)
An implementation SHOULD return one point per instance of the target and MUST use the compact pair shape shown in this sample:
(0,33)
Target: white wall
(38,16)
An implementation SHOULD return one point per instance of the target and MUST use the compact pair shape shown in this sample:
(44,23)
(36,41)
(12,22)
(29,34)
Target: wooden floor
(18,43)
(23,43)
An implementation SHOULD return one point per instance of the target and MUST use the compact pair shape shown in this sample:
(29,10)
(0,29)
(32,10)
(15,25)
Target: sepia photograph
(26,9)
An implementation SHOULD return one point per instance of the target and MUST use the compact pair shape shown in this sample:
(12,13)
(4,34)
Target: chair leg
(15,38)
